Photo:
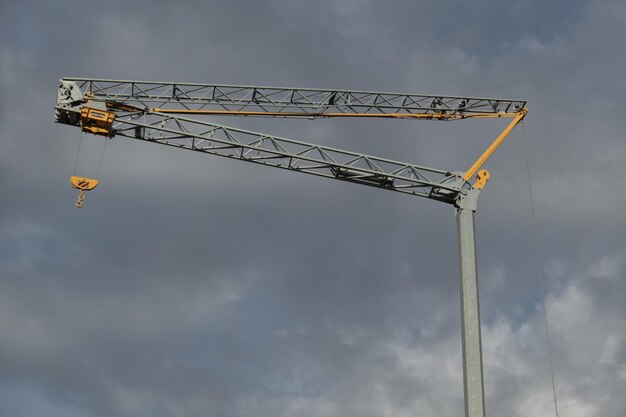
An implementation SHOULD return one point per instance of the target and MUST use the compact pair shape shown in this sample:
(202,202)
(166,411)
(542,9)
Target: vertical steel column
(470,317)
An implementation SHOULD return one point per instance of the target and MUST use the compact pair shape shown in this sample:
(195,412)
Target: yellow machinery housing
(96,121)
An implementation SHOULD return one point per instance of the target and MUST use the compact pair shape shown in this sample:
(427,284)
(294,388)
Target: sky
(192,285)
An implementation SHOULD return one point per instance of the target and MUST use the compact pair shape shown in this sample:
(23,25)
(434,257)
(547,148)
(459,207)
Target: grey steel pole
(470,316)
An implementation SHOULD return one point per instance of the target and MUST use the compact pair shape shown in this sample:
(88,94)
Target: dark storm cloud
(192,285)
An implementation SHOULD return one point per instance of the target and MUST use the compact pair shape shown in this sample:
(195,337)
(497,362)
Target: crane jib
(116,107)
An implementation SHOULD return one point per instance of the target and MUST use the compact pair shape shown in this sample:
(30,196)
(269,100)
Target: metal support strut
(470,316)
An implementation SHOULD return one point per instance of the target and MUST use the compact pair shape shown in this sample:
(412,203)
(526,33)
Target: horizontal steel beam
(291,102)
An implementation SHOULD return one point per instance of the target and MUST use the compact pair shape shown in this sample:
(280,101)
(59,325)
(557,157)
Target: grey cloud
(191,285)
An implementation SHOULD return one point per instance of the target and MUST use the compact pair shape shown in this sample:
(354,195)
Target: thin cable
(101,157)
(80,139)
(540,268)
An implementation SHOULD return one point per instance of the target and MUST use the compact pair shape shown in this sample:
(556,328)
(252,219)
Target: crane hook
(82,184)
(80,199)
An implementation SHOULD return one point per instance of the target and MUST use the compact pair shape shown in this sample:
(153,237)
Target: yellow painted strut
(491,149)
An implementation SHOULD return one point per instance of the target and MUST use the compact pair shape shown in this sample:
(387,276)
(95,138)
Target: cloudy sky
(192,285)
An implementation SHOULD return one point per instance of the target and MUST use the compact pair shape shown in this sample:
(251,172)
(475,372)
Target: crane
(162,112)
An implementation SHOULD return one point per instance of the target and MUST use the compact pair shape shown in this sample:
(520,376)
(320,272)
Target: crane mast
(159,112)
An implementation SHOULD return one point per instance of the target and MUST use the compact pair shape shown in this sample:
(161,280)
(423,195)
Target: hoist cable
(101,157)
(540,269)
(80,139)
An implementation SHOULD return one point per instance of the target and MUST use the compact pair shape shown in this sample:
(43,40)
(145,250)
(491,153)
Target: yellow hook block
(82,184)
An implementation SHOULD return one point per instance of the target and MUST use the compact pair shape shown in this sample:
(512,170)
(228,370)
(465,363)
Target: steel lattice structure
(150,111)
(137,111)
(291,155)
(284,102)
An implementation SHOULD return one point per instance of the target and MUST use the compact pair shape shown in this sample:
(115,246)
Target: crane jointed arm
(136,109)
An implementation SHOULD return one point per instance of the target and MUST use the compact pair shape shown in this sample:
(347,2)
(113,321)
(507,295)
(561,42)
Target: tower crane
(162,112)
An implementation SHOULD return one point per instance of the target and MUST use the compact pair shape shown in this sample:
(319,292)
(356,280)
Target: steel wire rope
(106,140)
(80,139)
(540,270)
